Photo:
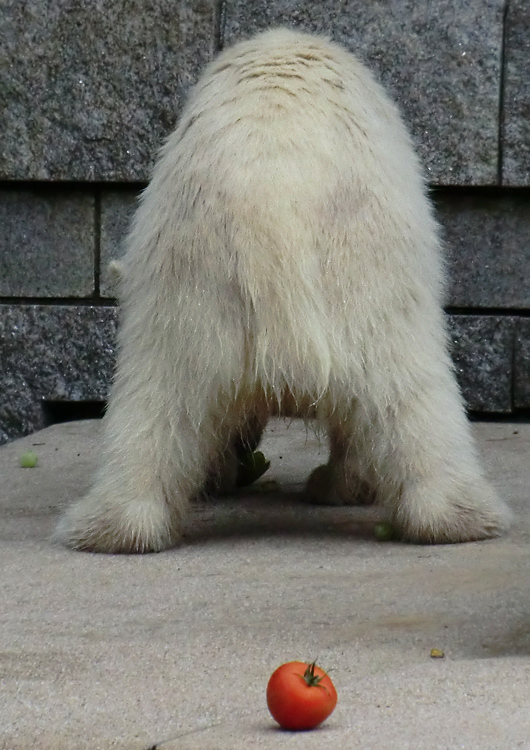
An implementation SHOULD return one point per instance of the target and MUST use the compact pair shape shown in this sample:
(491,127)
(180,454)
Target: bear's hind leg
(161,430)
(344,479)
(154,463)
(429,475)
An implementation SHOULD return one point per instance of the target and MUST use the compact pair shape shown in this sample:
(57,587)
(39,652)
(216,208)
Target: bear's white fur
(284,249)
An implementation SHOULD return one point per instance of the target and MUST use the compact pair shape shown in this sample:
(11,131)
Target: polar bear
(285,248)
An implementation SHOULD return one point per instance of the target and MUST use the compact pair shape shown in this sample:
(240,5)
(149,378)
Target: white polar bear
(284,249)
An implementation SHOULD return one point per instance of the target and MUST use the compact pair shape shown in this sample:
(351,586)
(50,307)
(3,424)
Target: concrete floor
(174,650)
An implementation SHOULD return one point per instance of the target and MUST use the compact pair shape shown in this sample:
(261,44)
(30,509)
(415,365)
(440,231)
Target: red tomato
(300,695)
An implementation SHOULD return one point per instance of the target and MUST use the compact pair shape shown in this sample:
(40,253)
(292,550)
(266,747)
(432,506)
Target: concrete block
(67,353)
(483,351)
(47,242)
(516,114)
(117,209)
(487,239)
(487,244)
(52,352)
(522,364)
(441,62)
(91,89)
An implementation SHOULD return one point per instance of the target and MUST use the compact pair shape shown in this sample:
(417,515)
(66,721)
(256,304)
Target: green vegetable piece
(384,532)
(28,460)
(251,467)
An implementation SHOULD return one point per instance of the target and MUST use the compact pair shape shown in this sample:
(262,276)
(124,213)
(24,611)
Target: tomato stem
(310,677)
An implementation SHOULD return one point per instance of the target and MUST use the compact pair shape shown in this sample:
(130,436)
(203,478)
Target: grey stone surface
(522,365)
(173,651)
(67,353)
(483,351)
(47,242)
(57,353)
(516,126)
(487,244)
(89,89)
(487,241)
(117,209)
(440,61)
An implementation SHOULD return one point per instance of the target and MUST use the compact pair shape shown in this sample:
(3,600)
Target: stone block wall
(90,88)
